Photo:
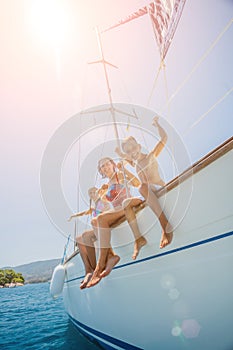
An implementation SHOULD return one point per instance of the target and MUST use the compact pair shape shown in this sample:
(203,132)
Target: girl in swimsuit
(86,241)
(100,204)
(123,205)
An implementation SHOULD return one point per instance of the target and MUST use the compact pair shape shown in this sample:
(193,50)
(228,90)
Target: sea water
(31,319)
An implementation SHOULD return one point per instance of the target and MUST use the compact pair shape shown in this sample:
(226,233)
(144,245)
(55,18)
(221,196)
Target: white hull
(180,297)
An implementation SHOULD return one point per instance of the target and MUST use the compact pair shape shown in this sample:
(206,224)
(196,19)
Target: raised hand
(155,121)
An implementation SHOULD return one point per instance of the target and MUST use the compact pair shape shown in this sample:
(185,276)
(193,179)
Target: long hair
(104,160)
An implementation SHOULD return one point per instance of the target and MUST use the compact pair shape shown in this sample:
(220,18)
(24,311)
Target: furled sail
(164,15)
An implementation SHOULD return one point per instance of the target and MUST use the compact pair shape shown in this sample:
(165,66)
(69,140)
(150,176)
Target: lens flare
(168,282)
(176,331)
(190,328)
(173,293)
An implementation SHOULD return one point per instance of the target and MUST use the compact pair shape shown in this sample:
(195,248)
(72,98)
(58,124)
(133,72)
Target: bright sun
(49,21)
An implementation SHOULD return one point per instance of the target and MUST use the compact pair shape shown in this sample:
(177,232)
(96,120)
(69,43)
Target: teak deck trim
(199,165)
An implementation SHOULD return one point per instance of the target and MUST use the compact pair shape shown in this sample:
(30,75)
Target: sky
(45,80)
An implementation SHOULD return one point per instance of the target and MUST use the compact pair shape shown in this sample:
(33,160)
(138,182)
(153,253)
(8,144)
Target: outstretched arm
(86,212)
(163,138)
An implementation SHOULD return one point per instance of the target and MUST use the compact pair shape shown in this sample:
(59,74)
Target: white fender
(57,281)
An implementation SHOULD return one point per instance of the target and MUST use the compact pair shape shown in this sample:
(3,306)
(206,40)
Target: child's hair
(89,190)
(104,160)
(125,141)
(92,189)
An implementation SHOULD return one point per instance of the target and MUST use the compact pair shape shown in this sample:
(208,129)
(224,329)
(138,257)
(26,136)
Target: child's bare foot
(86,280)
(112,261)
(138,244)
(96,278)
(166,237)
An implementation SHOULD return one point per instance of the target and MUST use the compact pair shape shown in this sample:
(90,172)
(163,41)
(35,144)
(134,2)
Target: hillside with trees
(39,271)
(9,277)
(36,272)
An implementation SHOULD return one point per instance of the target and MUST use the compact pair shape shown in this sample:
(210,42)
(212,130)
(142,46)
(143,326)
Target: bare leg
(85,281)
(107,259)
(112,260)
(84,256)
(87,252)
(96,277)
(140,241)
(88,240)
(152,200)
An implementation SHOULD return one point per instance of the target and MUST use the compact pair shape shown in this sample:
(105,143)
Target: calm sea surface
(31,319)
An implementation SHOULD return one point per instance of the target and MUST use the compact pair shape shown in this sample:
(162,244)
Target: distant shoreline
(12,285)
(37,271)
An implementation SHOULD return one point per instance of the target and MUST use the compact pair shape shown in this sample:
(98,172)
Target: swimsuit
(116,193)
(99,208)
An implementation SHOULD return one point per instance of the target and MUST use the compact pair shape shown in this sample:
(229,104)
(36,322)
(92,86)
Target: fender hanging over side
(57,281)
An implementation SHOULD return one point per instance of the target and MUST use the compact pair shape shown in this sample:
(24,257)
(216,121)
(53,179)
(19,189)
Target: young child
(100,203)
(147,170)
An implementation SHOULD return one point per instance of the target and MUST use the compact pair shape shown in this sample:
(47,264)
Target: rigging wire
(209,110)
(166,89)
(76,224)
(102,149)
(134,112)
(112,109)
(182,84)
(75,234)
(160,66)
(155,82)
(65,250)
(79,148)
(121,78)
(128,97)
(84,85)
(203,57)
(169,118)
(123,130)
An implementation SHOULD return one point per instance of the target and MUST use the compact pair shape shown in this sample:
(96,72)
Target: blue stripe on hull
(104,337)
(91,338)
(172,251)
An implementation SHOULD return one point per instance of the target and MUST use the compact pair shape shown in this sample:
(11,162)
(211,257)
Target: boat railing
(196,167)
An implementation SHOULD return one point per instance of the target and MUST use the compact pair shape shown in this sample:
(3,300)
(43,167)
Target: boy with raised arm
(147,170)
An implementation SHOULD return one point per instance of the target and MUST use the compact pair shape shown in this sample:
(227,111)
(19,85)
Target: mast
(104,63)
(113,110)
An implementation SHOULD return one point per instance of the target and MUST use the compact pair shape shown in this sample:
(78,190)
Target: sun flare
(50,21)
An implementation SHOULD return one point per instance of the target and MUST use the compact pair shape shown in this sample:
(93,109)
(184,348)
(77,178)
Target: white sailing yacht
(176,298)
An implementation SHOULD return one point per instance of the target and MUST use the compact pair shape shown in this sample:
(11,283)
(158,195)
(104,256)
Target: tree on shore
(10,276)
